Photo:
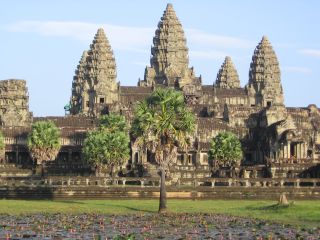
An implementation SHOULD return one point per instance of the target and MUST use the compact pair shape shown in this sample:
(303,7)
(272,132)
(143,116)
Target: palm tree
(162,123)
(43,142)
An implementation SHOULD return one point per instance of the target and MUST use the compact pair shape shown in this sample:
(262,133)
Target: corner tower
(227,76)
(14,104)
(95,85)
(78,85)
(170,60)
(264,86)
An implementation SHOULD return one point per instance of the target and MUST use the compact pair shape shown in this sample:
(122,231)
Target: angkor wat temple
(277,141)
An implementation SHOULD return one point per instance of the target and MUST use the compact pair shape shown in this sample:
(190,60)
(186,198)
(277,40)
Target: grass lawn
(303,213)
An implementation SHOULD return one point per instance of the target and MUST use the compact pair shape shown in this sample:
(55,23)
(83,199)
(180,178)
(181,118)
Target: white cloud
(200,37)
(302,70)
(310,52)
(135,39)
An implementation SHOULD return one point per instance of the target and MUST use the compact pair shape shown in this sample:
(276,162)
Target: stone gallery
(277,141)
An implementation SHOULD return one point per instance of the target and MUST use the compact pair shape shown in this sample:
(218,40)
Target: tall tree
(226,149)
(109,144)
(44,142)
(162,123)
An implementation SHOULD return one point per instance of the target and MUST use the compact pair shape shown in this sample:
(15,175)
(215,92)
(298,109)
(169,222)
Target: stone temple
(278,141)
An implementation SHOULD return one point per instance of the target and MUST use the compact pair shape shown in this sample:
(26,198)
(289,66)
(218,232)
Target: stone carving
(228,76)
(14,103)
(169,61)
(95,85)
(264,76)
(78,85)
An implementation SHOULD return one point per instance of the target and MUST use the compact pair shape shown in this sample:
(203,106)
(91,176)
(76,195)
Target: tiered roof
(101,64)
(228,76)
(169,44)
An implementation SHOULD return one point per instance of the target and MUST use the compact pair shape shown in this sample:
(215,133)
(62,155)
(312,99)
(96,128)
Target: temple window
(180,159)
(190,162)
(204,158)
(268,104)
(101,100)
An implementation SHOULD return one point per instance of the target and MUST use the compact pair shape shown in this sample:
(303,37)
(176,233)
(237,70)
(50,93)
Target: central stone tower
(170,60)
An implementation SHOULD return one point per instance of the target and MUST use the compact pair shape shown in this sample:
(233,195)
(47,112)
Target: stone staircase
(12,170)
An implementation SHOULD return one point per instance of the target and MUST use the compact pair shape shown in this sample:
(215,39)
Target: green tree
(43,142)
(109,144)
(162,123)
(226,149)
(113,123)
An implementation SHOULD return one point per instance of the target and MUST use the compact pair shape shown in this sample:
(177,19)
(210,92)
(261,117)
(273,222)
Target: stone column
(198,162)
(299,151)
(285,151)
(289,149)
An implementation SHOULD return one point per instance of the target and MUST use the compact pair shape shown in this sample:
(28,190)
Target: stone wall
(131,188)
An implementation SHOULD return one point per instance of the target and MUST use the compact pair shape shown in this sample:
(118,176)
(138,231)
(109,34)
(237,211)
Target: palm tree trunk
(163,193)
(111,171)
(42,169)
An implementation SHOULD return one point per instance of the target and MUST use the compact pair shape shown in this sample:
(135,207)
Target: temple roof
(135,90)
(227,76)
(71,121)
(209,124)
(223,92)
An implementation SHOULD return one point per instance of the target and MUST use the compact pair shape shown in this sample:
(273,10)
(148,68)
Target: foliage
(44,141)
(226,149)
(106,148)
(162,123)
(109,144)
(113,123)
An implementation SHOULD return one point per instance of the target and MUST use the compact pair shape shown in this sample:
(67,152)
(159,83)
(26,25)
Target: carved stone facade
(170,60)
(14,103)
(277,141)
(228,76)
(95,86)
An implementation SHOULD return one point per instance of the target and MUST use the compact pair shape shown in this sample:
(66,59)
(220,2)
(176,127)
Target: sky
(42,42)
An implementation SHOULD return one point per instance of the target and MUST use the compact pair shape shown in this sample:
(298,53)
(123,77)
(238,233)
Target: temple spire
(227,76)
(101,62)
(264,75)
(99,80)
(169,61)
(78,84)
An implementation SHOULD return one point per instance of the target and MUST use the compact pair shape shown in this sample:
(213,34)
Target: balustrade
(154,182)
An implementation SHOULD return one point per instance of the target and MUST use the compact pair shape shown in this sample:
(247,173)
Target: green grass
(303,213)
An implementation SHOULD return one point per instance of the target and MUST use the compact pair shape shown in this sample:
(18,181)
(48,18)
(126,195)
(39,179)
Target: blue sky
(42,41)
